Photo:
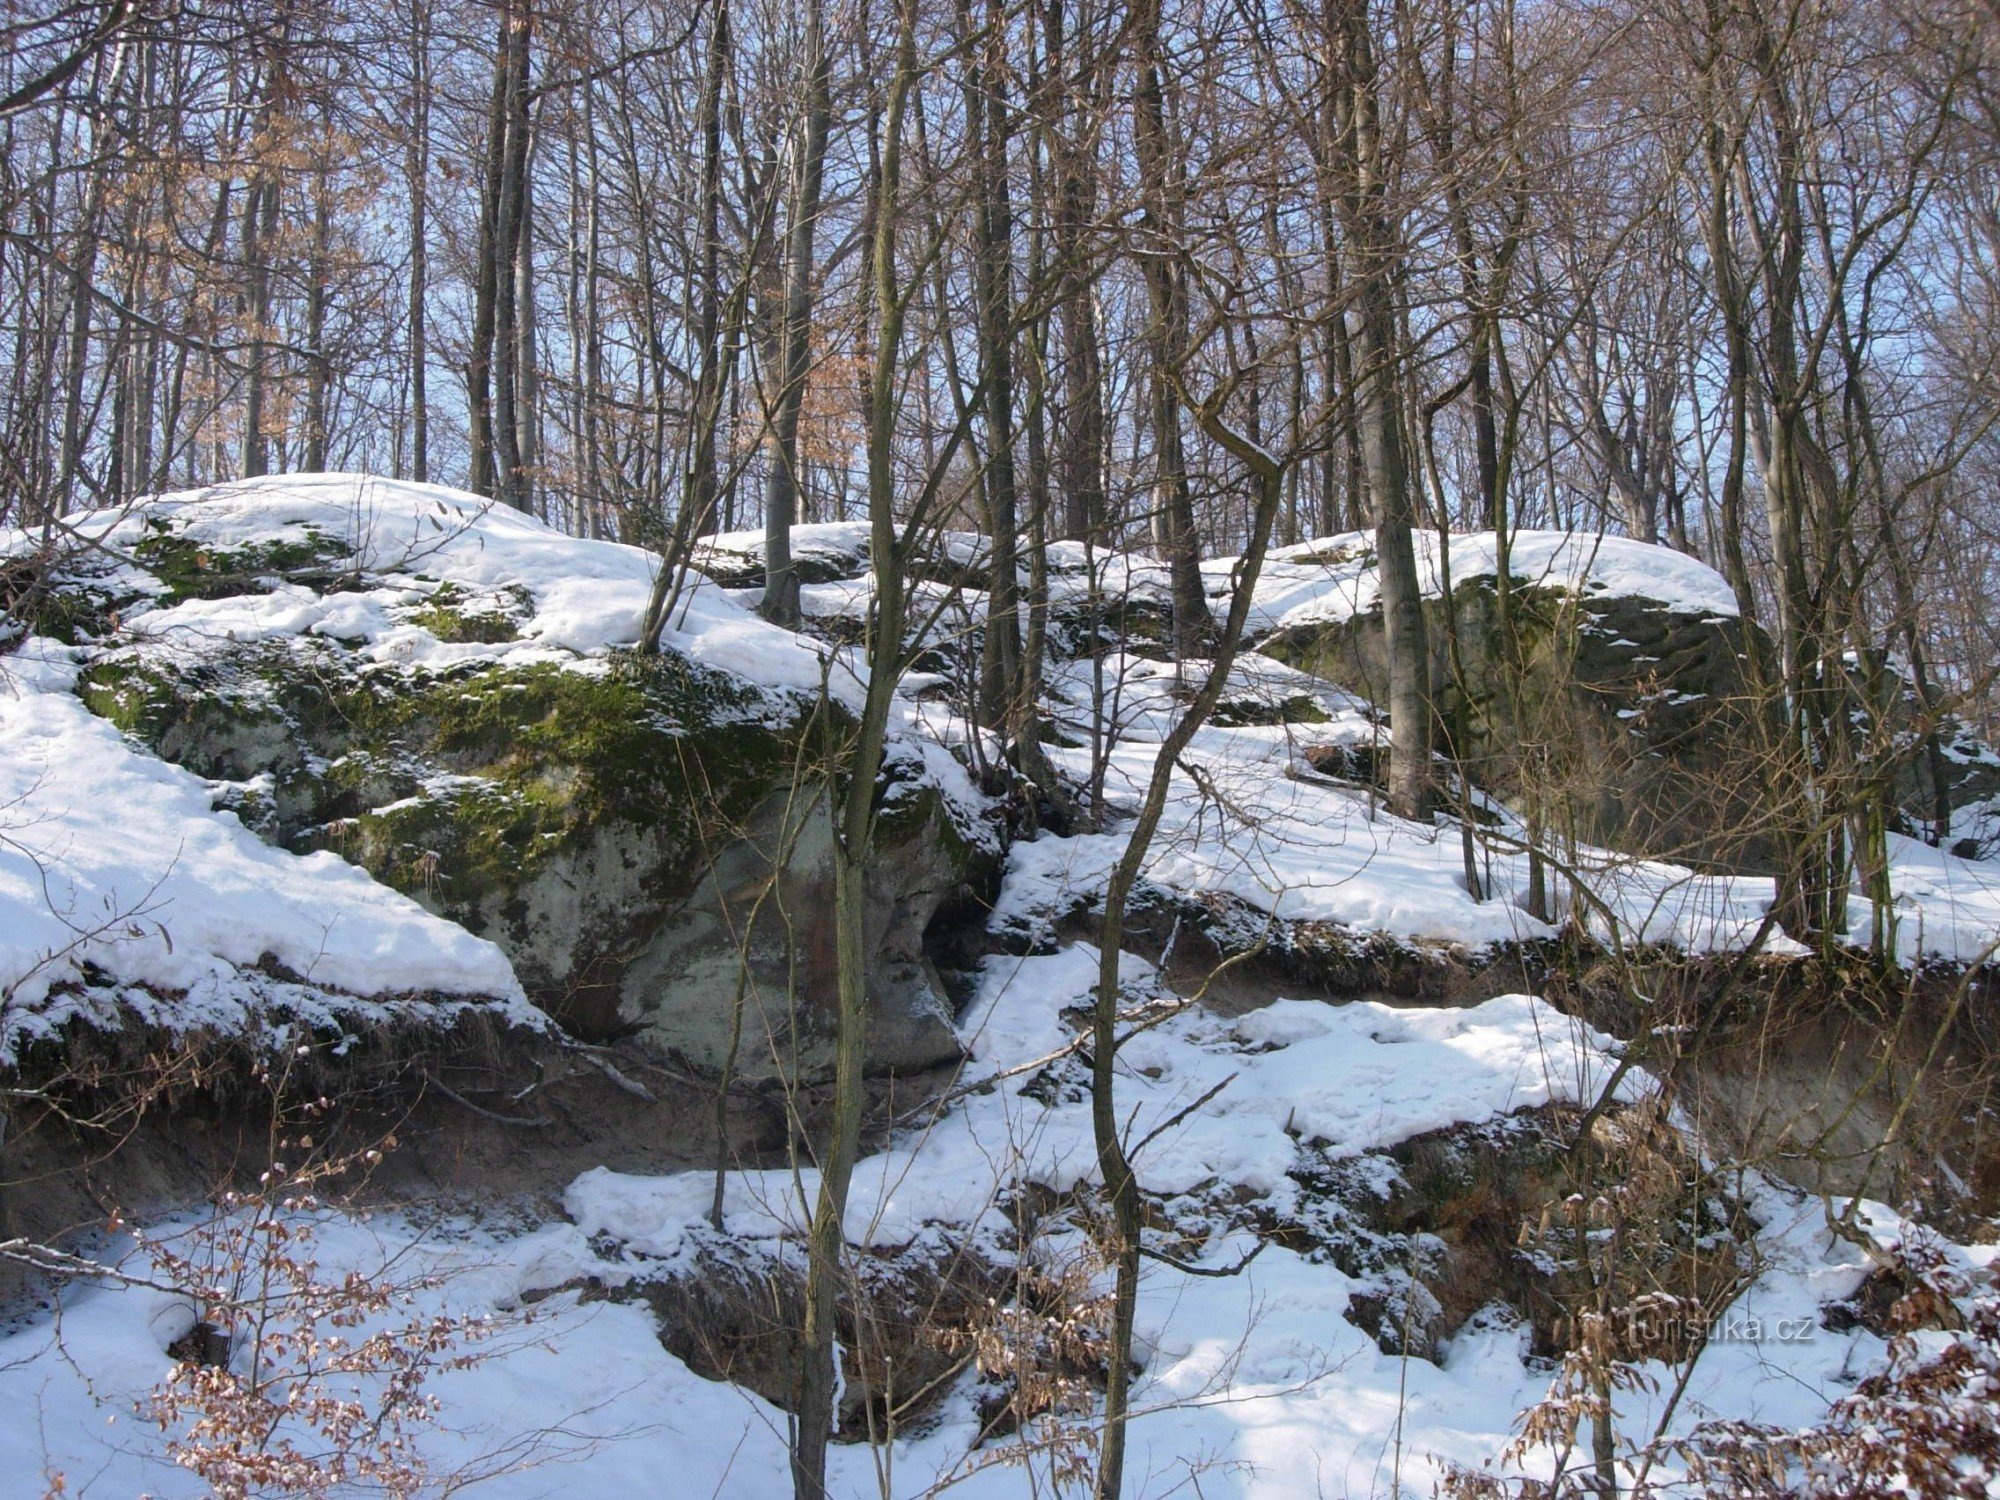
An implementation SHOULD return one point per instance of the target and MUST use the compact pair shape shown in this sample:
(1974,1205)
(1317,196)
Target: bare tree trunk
(1121,1183)
(781,491)
(81,279)
(1072,64)
(1373,337)
(417,165)
(260,229)
(720,327)
(855,811)
(1166,337)
(1343,483)
(986,111)
(509,225)
(591,397)
(484,477)
(318,361)
(527,376)
(708,397)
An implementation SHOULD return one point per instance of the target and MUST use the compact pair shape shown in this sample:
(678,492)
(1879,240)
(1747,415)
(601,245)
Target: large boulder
(644,836)
(1622,714)
(1614,691)
(1625,718)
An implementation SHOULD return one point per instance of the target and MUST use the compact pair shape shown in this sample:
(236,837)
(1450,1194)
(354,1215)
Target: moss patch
(190,570)
(452,618)
(60,606)
(458,787)
(223,722)
(538,757)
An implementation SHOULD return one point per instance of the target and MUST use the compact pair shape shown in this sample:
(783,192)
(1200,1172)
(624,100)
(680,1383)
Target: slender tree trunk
(1166,337)
(260,231)
(1071,63)
(1121,1183)
(592,395)
(986,108)
(1373,338)
(319,271)
(708,397)
(417,159)
(81,283)
(527,369)
(484,477)
(509,229)
(855,811)
(781,491)
(719,332)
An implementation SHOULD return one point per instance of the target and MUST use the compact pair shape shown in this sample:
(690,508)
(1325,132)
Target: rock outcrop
(1627,717)
(644,836)
(1614,692)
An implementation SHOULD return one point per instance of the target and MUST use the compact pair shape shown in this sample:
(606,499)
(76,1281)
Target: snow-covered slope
(121,883)
(111,855)
(1321,581)
(115,869)
(399,542)
(1248,819)
(1255,1386)
(232,629)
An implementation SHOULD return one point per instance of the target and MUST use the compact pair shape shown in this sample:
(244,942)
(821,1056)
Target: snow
(1245,820)
(113,859)
(1242,823)
(1255,1386)
(1353,1079)
(1946,907)
(840,546)
(405,539)
(1331,579)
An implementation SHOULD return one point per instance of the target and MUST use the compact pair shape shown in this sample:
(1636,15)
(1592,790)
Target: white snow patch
(1333,578)
(114,859)
(1257,1385)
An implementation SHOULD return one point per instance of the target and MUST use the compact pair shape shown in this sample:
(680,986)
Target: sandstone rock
(626,828)
(1632,724)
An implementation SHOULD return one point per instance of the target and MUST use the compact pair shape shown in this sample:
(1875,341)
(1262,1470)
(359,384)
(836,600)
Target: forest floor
(533,1259)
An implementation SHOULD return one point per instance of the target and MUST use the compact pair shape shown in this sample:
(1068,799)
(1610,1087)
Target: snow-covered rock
(411,681)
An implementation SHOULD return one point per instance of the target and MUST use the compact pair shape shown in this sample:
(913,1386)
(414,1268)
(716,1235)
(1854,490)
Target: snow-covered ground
(112,861)
(1247,820)
(1255,1385)
(112,864)
(403,540)
(1242,822)
(1333,578)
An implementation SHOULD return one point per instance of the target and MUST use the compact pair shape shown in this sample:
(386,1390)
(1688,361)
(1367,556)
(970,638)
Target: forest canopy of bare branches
(1017,287)
(1721,274)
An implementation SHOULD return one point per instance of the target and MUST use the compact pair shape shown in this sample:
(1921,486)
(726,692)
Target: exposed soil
(491,1125)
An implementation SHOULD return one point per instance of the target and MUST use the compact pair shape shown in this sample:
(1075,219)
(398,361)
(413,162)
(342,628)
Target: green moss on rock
(538,758)
(222,721)
(189,569)
(556,809)
(452,618)
(609,822)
